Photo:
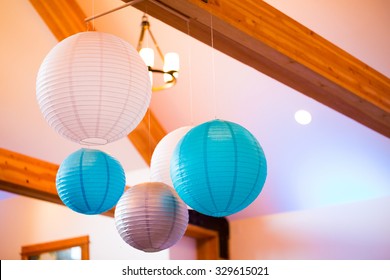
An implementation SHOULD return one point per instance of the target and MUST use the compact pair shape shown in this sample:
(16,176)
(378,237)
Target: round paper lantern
(90,181)
(160,162)
(93,88)
(218,168)
(151,217)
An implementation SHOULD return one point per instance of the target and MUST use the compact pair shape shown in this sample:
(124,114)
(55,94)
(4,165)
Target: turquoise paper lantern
(90,181)
(218,168)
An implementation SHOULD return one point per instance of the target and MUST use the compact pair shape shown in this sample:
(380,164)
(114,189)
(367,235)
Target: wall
(351,231)
(26,221)
(358,230)
(185,249)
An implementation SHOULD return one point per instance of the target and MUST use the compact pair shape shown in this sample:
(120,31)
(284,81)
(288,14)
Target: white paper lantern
(93,88)
(160,162)
(151,217)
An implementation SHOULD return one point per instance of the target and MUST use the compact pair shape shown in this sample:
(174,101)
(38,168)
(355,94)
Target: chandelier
(170,70)
(170,60)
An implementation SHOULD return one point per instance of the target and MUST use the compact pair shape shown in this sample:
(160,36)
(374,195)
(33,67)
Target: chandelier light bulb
(171,63)
(147,55)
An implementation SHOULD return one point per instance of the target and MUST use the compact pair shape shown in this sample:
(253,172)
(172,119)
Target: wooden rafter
(65,18)
(28,176)
(262,37)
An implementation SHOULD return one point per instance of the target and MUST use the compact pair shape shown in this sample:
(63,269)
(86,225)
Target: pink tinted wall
(358,230)
(185,249)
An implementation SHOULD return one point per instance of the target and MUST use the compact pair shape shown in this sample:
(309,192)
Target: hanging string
(213,66)
(150,143)
(146,14)
(88,25)
(149,110)
(190,74)
(93,13)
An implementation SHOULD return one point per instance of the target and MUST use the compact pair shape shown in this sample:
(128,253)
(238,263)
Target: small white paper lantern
(160,162)
(93,88)
(151,217)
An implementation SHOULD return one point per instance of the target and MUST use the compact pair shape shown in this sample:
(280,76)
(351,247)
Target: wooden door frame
(37,249)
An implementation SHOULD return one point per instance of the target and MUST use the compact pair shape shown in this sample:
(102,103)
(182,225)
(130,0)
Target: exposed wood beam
(262,37)
(28,176)
(65,18)
(31,177)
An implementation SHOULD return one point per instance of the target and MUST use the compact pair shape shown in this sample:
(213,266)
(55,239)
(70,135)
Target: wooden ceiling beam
(262,37)
(28,176)
(65,18)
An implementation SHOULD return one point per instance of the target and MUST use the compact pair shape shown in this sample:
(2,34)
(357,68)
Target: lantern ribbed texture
(160,162)
(93,88)
(151,217)
(90,181)
(218,168)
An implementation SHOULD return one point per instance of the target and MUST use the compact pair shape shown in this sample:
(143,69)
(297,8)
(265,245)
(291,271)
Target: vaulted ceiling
(332,160)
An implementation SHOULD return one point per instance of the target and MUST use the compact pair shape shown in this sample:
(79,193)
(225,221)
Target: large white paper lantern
(160,162)
(93,88)
(151,217)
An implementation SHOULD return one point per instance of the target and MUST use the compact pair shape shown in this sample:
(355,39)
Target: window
(66,249)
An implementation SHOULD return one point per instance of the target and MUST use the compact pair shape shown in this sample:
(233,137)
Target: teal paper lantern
(218,168)
(90,181)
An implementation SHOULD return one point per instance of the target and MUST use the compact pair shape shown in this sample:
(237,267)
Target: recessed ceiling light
(303,117)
